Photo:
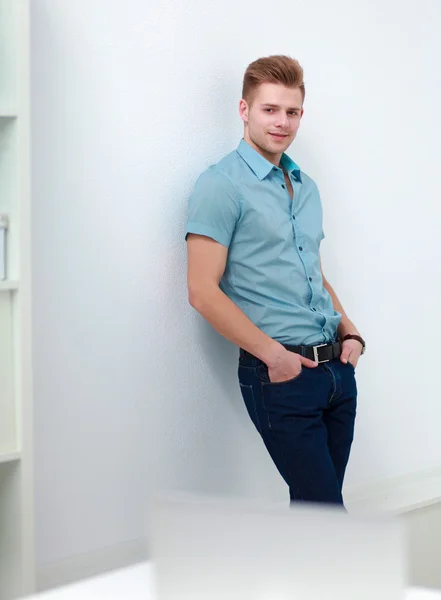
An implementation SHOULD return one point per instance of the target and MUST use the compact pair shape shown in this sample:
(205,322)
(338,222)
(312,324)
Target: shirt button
(283,185)
(314,309)
(310,279)
(293,217)
(300,248)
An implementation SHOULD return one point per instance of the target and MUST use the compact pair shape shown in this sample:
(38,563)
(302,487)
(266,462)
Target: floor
(425,546)
(134,583)
(424,526)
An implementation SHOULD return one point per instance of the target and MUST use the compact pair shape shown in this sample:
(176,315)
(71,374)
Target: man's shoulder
(307,180)
(229,169)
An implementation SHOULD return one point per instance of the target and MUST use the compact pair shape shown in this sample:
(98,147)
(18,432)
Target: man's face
(272,119)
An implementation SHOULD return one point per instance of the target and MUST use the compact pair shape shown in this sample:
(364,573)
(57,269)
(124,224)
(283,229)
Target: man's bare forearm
(346,326)
(230,322)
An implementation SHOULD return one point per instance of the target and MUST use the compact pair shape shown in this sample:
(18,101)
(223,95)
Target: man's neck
(272,158)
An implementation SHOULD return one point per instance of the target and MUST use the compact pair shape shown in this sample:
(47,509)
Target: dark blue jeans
(306,423)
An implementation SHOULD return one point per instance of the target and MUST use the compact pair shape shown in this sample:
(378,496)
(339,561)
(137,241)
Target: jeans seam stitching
(253,397)
(276,438)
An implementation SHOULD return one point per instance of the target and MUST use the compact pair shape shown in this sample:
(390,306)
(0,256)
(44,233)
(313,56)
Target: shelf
(10,457)
(8,286)
(17,560)
(7,112)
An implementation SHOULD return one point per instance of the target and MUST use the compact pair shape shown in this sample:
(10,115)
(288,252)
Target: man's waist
(320,353)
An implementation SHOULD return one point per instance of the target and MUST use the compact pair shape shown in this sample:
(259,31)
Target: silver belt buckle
(314,349)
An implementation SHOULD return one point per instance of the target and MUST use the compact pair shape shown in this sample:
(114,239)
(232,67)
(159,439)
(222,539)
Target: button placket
(307,268)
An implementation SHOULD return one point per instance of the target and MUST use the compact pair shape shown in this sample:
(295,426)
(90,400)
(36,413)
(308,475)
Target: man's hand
(351,352)
(288,365)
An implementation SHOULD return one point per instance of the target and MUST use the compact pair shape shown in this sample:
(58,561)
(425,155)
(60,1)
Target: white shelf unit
(16,449)
(8,458)
(8,286)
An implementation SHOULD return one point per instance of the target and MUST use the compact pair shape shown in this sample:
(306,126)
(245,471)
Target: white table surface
(133,583)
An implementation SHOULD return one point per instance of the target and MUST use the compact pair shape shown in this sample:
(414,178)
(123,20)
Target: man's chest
(289,186)
(280,213)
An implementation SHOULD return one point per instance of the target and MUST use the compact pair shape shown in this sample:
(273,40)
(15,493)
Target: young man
(254,273)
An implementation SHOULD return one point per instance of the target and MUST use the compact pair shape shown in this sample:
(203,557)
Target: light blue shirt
(273,267)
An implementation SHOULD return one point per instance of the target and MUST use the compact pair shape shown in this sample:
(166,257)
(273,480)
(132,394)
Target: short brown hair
(272,69)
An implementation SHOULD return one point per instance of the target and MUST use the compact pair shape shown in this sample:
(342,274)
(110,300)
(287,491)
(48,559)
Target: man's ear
(243,110)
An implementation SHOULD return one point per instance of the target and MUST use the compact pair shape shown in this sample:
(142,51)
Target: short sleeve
(213,207)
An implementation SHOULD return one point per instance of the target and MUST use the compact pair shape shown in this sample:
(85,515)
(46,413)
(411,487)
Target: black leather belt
(322,353)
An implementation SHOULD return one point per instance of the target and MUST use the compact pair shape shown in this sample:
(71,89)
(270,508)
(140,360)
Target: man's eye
(269,109)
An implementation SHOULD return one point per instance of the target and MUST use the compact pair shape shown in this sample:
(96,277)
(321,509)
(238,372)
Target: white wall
(131,101)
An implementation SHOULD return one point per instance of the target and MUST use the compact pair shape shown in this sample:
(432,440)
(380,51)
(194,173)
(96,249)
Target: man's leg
(340,416)
(289,417)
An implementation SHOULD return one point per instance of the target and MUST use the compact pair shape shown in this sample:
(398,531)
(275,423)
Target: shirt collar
(261,166)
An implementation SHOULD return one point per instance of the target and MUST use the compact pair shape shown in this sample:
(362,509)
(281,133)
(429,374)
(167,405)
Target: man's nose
(281,120)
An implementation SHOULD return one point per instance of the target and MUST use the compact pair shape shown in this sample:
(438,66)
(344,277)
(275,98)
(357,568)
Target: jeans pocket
(266,380)
(284,401)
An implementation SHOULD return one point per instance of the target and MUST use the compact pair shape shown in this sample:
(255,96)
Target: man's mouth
(279,135)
